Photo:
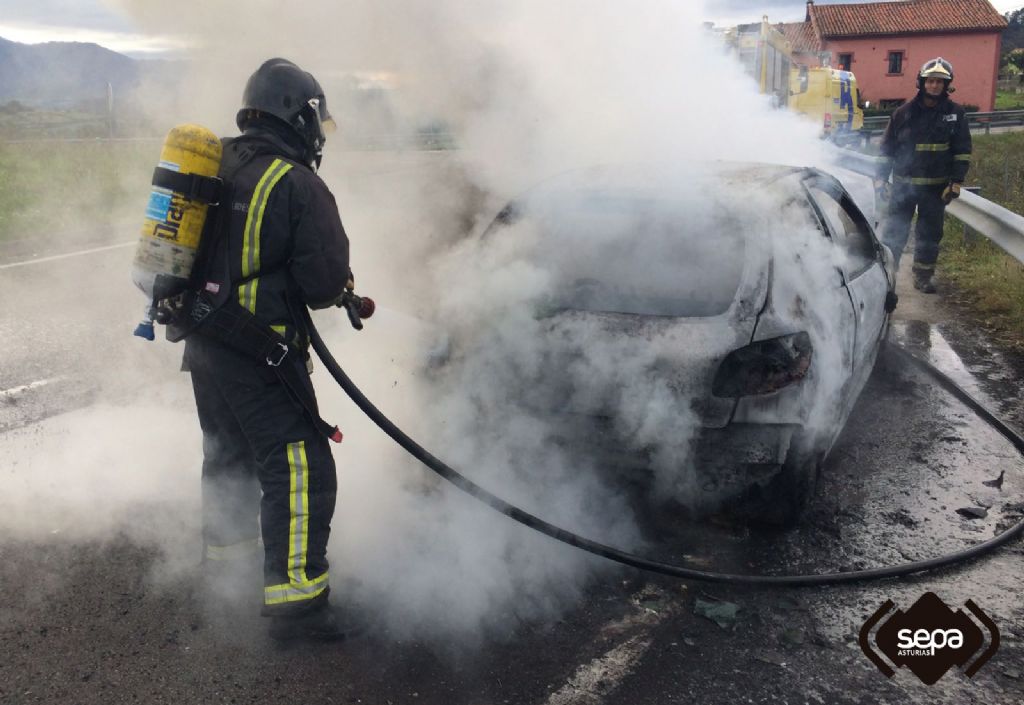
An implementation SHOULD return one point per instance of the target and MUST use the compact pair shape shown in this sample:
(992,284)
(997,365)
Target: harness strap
(237,328)
(195,187)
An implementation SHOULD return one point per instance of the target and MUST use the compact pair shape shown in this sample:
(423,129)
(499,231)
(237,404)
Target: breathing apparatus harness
(217,315)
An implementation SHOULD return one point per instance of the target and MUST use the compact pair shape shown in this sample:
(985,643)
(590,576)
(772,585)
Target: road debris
(997,483)
(721,613)
(772,657)
(972,512)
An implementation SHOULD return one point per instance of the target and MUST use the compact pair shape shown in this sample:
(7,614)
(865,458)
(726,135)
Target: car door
(863,270)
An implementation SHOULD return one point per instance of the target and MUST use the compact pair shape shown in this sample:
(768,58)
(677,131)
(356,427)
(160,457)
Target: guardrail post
(970,234)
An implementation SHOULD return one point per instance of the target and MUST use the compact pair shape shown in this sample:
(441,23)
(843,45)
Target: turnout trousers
(927,201)
(266,471)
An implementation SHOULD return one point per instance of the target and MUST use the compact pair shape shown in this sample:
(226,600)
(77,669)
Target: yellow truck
(823,94)
(828,96)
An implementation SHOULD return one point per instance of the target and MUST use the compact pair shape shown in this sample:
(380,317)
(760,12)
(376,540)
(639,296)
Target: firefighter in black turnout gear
(275,247)
(927,148)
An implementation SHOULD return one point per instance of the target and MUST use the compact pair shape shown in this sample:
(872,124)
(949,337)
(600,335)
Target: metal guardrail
(1000,118)
(1001,225)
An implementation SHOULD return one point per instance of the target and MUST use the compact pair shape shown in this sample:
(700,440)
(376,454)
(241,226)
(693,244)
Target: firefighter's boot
(323,623)
(924,279)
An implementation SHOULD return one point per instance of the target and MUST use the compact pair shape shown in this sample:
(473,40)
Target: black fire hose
(599,549)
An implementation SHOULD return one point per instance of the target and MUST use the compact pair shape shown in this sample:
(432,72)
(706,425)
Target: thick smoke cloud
(529,90)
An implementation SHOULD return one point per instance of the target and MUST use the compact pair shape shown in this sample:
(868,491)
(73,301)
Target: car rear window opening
(640,256)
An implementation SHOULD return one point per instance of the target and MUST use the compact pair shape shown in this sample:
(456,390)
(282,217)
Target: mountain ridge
(71,75)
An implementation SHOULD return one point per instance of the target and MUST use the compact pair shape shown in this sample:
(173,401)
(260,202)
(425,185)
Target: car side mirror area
(891,301)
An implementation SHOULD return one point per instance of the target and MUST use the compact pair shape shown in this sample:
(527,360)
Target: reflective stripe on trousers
(295,592)
(299,586)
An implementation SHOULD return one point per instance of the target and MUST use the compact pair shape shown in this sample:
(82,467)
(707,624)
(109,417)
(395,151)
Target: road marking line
(67,255)
(14,391)
(601,676)
(597,679)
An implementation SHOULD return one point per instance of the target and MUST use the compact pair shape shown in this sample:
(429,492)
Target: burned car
(707,329)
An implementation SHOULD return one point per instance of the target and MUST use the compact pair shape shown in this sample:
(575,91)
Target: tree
(1013,35)
(1014,60)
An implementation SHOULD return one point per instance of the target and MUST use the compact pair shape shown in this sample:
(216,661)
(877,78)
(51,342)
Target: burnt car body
(745,302)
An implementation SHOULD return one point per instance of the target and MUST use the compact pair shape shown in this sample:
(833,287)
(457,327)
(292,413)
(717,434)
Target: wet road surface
(103,621)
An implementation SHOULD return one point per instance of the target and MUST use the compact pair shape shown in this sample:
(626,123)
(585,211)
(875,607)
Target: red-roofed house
(886,43)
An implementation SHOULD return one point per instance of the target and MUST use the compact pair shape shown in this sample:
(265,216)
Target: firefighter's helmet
(283,91)
(935,68)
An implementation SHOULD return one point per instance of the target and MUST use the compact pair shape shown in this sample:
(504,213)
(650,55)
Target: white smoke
(529,89)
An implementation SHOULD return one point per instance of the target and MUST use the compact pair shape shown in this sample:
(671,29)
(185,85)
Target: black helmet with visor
(283,91)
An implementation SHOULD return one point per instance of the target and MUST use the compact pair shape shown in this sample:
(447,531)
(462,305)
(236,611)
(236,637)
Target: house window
(891,103)
(895,62)
(845,62)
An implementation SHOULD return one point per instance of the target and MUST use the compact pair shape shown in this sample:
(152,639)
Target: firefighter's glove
(883,191)
(952,191)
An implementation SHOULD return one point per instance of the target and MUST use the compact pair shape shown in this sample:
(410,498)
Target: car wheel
(781,501)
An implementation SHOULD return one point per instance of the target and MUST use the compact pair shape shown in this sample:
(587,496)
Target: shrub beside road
(1008,100)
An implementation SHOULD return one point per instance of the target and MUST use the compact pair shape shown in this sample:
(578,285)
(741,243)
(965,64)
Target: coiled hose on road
(678,571)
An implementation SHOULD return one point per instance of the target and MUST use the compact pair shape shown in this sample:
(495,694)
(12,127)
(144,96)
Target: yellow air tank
(184,187)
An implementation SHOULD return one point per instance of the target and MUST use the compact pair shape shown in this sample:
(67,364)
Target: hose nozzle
(357,308)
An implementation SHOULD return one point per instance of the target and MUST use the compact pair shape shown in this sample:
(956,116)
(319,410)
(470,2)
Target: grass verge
(1009,100)
(989,281)
(53,187)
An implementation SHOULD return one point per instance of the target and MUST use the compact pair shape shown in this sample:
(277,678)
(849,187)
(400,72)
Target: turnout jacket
(926,146)
(278,242)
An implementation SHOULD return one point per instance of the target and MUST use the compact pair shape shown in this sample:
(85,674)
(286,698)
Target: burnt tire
(782,501)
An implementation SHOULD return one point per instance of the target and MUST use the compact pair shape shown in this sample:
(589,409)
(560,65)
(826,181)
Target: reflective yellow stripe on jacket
(253,226)
(943,147)
(921,180)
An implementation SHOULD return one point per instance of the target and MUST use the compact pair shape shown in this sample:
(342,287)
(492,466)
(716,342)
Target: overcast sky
(99,21)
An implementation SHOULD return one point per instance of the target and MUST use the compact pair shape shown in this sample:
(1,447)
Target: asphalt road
(105,602)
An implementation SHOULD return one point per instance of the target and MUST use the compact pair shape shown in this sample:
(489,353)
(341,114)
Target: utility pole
(110,109)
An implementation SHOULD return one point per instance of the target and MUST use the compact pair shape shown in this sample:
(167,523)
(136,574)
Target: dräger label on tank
(159,206)
(168,229)
(159,203)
